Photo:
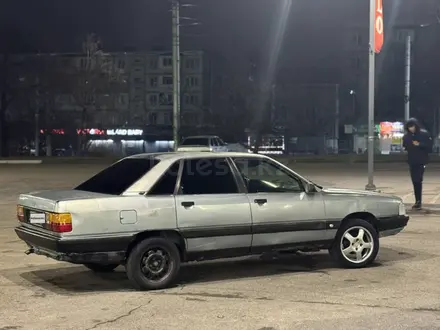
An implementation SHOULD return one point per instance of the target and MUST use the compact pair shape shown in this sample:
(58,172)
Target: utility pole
(407,77)
(337,119)
(371,75)
(37,117)
(176,71)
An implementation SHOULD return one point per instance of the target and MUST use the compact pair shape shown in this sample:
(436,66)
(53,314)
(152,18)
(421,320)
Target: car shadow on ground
(78,279)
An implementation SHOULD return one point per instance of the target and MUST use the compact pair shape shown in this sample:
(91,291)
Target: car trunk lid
(47,200)
(36,205)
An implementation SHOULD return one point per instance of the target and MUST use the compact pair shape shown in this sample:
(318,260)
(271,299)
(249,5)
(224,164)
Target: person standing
(418,144)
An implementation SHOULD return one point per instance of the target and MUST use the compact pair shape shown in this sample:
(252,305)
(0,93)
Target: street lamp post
(371,75)
(176,72)
(407,77)
(353,102)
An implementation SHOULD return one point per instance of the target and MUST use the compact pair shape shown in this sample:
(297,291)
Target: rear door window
(167,183)
(117,178)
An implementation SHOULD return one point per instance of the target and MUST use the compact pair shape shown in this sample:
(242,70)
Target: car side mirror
(309,188)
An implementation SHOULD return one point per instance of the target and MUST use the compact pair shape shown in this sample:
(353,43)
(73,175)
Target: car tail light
(20,213)
(59,222)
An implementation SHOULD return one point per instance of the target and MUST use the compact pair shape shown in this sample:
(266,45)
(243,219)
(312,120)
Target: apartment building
(140,95)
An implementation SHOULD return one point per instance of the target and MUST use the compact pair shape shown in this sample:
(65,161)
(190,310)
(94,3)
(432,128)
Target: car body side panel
(104,215)
(215,222)
(339,205)
(287,218)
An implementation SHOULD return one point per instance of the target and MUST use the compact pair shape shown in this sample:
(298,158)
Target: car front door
(214,145)
(212,213)
(222,145)
(283,214)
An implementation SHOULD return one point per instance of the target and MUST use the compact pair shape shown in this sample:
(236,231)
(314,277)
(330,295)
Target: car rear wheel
(153,264)
(356,244)
(98,268)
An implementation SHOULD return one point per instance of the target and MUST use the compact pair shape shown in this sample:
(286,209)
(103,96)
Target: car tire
(98,268)
(149,258)
(356,244)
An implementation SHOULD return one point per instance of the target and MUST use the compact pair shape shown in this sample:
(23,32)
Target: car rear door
(283,214)
(213,212)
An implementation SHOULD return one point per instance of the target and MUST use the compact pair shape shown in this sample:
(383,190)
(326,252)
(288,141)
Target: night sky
(54,25)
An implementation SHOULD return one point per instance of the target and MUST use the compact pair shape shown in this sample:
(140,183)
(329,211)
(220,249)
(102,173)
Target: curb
(20,162)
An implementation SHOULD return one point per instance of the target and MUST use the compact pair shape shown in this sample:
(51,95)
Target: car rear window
(117,178)
(195,142)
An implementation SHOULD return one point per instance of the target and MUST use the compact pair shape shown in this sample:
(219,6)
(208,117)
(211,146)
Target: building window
(154,82)
(167,118)
(138,80)
(167,62)
(192,81)
(123,99)
(89,98)
(153,99)
(153,63)
(192,100)
(192,63)
(167,80)
(152,118)
(121,64)
(165,99)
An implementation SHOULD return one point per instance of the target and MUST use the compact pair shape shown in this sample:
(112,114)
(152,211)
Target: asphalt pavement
(287,292)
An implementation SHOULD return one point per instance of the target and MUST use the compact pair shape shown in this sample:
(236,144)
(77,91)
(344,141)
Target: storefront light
(125,132)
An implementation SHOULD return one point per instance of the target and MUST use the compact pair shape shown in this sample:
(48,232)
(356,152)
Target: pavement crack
(116,319)
(343,304)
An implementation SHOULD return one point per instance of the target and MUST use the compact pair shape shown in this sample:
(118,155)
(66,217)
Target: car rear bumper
(392,225)
(78,251)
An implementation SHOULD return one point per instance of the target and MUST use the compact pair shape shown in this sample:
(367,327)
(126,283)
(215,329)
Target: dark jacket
(417,155)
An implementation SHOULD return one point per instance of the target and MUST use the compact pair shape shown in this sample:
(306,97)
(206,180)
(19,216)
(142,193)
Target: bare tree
(11,85)
(95,75)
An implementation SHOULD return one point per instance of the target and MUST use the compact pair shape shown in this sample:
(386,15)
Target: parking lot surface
(305,291)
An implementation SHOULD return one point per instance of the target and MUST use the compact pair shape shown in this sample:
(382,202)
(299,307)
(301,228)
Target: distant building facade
(143,96)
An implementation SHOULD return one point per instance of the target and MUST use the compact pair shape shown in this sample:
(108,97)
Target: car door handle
(260,201)
(188,204)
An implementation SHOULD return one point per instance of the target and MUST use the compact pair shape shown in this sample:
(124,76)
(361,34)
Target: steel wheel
(153,264)
(156,264)
(357,244)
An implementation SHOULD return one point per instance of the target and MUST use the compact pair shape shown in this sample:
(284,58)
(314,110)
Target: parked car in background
(203,143)
(152,212)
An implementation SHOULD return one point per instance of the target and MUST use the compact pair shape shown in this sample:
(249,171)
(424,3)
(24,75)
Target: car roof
(172,156)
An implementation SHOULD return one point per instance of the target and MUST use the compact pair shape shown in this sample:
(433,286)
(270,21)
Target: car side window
(221,142)
(207,176)
(167,183)
(214,142)
(264,176)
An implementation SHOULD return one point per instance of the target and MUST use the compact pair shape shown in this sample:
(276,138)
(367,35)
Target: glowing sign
(125,132)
